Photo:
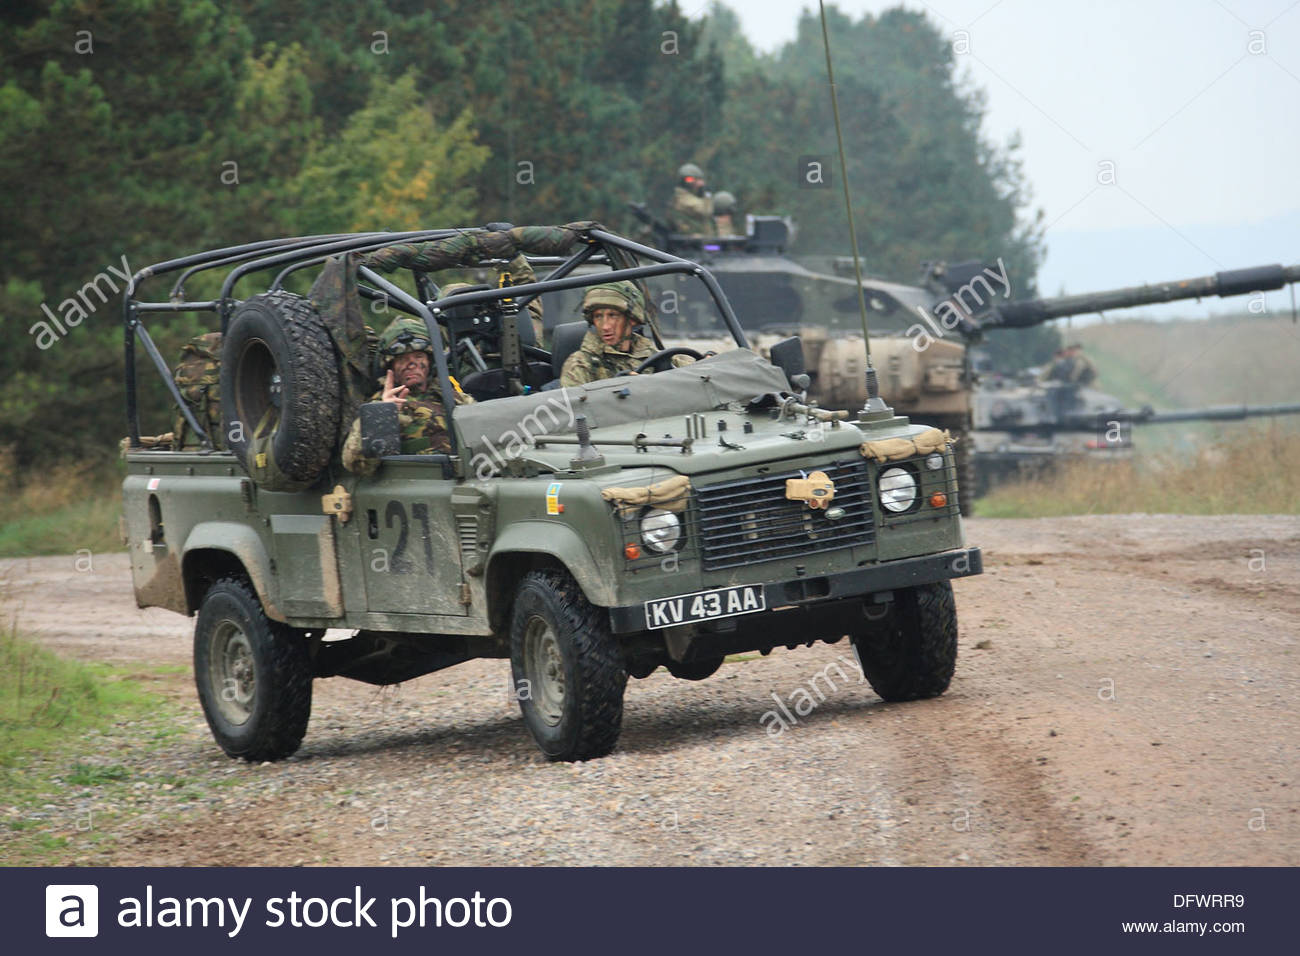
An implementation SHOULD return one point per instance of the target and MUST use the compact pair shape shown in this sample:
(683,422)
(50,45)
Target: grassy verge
(60,512)
(1255,471)
(67,733)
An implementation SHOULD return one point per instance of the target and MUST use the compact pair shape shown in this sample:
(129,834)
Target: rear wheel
(253,675)
(911,652)
(567,668)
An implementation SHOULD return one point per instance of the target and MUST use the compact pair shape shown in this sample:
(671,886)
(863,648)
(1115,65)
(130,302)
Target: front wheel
(253,675)
(568,671)
(910,653)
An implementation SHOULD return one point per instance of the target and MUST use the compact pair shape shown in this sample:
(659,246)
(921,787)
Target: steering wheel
(663,355)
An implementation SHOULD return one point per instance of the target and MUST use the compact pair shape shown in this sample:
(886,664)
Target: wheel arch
(516,553)
(218,549)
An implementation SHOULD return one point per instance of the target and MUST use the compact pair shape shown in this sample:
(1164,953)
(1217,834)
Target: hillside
(1232,360)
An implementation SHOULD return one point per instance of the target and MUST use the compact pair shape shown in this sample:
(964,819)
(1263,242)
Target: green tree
(393,167)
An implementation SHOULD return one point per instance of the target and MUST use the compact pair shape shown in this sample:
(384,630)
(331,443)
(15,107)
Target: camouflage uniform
(198,376)
(421,419)
(1081,370)
(595,360)
(724,206)
(424,431)
(691,214)
(1072,367)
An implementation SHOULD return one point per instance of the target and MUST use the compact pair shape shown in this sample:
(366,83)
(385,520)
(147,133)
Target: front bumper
(825,588)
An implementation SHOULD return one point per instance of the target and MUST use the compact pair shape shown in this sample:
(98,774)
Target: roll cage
(292,254)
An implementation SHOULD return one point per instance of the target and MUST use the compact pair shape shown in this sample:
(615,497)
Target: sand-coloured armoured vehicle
(921,338)
(587,534)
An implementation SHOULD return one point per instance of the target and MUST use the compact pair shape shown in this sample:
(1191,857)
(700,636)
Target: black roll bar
(303,251)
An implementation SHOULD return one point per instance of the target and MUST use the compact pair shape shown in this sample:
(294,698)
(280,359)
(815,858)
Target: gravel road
(1125,694)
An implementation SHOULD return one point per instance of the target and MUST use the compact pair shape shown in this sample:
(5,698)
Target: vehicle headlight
(897,489)
(934,462)
(661,530)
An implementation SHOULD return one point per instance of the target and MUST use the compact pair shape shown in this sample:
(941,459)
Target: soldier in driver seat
(612,346)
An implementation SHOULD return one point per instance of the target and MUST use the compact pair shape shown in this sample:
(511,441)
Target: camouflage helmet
(624,296)
(689,172)
(723,203)
(404,334)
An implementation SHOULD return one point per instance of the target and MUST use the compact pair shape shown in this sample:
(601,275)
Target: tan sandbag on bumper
(895,449)
(671,494)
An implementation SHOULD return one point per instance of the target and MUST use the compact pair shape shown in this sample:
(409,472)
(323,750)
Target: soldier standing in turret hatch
(724,209)
(691,212)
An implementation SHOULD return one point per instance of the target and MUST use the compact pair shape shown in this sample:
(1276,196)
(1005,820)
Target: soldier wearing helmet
(408,383)
(691,212)
(612,345)
(724,207)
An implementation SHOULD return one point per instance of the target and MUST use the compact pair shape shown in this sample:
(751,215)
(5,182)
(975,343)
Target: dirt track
(1125,694)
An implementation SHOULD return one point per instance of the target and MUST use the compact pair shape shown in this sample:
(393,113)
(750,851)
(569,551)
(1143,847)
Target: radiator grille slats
(749,520)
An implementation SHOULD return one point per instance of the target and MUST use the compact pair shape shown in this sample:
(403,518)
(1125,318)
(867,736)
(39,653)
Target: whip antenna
(873,396)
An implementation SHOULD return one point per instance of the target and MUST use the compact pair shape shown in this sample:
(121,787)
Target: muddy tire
(279,371)
(568,670)
(911,652)
(253,675)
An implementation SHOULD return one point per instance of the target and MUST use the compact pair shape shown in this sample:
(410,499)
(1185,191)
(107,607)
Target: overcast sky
(1195,103)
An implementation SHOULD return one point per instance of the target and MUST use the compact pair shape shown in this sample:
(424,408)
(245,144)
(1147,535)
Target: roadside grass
(68,509)
(61,724)
(1256,470)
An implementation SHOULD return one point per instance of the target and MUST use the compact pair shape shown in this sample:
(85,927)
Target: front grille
(750,520)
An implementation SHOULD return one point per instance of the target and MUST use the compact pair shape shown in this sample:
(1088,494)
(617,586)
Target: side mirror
(381,434)
(787,355)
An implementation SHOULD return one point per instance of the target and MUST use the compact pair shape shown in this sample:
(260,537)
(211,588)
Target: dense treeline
(144,129)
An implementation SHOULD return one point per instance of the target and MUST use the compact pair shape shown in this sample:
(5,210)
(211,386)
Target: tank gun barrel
(1019,315)
(1088,421)
(1221,413)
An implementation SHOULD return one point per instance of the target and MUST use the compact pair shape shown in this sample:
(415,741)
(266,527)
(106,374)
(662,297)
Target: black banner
(665,911)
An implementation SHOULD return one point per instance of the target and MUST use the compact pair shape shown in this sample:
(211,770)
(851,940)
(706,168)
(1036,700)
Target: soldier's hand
(394,393)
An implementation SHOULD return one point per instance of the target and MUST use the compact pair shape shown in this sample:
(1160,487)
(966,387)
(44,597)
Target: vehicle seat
(565,339)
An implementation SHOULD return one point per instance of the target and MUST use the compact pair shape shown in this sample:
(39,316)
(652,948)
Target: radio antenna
(874,404)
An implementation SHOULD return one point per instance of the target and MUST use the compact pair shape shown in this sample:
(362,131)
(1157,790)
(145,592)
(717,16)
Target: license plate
(704,606)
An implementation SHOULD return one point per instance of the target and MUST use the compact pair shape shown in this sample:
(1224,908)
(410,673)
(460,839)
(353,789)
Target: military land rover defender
(588,534)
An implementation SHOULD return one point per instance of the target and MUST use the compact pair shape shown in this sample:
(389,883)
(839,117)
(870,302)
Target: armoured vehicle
(921,336)
(587,534)
(1025,428)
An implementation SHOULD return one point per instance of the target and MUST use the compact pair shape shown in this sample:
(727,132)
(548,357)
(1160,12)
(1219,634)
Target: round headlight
(934,462)
(897,489)
(661,530)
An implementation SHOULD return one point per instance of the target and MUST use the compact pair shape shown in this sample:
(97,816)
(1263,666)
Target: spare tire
(279,390)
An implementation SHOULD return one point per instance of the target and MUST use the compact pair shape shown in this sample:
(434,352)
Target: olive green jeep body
(587,534)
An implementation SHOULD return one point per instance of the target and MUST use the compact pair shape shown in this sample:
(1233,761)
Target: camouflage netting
(896,449)
(336,298)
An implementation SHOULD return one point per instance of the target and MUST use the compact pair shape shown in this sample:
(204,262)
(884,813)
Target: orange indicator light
(632,552)
(938,499)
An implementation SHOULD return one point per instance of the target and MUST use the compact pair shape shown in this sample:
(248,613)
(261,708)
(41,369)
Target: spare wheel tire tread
(309,413)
